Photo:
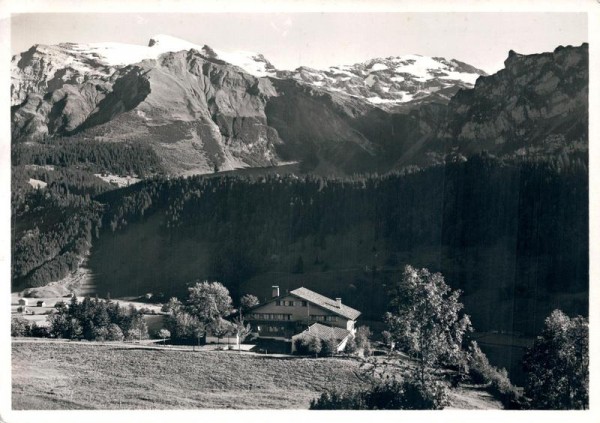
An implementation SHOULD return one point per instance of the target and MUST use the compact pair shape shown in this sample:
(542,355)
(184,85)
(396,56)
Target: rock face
(204,110)
(199,113)
(535,99)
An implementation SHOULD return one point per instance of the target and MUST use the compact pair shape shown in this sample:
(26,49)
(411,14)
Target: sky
(320,40)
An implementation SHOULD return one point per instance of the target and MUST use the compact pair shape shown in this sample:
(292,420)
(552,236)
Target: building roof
(325,332)
(326,303)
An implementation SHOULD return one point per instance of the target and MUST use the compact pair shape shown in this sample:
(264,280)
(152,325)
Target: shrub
(351,347)
(339,400)
(301,345)
(114,333)
(389,395)
(363,334)
(499,385)
(387,338)
(40,331)
(100,333)
(19,327)
(329,347)
(314,345)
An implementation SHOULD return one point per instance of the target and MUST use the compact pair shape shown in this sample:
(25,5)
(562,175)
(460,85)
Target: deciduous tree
(426,320)
(164,334)
(209,301)
(558,364)
(247,302)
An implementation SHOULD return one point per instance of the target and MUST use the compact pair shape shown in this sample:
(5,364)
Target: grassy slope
(64,375)
(77,375)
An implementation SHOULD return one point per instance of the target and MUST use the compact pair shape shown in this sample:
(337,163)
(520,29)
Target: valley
(139,170)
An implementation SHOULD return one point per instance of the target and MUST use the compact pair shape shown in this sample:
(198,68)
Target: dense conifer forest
(511,230)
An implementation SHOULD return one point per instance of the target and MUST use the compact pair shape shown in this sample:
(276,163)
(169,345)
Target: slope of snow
(378,67)
(391,80)
(120,54)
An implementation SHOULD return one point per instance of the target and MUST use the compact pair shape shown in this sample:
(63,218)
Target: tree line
(121,158)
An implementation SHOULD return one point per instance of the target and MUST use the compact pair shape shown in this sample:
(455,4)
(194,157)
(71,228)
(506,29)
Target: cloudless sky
(321,39)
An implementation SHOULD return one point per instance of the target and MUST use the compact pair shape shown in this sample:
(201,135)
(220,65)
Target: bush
(314,345)
(329,347)
(114,333)
(389,395)
(19,327)
(363,334)
(339,400)
(301,345)
(100,333)
(351,347)
(40,331)
(499,385)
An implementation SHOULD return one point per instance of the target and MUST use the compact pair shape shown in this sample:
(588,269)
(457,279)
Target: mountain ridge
(203,114)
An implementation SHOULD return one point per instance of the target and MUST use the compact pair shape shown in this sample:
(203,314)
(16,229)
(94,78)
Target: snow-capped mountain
(393,81)
(202,109)
(46,67)
(386,82)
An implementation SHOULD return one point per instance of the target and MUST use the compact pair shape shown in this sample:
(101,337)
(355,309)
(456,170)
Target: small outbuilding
(41,304)
(317,330)
(23,301)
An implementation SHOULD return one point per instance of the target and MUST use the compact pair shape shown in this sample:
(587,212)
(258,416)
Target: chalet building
(286,316)
(23,301)
(41,304)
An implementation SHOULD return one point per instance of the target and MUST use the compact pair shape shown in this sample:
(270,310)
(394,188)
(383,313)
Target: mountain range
(202,109)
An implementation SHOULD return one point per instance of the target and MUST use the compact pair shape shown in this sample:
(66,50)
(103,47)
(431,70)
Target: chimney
(275,291)
(338,302)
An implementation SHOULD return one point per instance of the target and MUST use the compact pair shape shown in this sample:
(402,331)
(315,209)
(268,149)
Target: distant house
(229,339)
(23,301)
(41,304)
(286,316)
(324,333)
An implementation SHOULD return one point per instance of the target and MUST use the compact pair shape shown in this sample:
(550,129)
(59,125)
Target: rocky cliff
(534,99)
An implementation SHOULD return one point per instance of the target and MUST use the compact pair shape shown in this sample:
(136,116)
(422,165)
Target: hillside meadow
(78,375)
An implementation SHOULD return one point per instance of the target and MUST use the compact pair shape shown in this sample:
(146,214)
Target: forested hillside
(490,189)
(512,235)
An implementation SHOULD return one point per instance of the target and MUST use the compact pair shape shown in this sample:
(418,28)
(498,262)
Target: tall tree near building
(426,320)
(209,302)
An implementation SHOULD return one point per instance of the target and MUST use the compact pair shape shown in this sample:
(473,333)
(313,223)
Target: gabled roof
(326,303)
(325,332)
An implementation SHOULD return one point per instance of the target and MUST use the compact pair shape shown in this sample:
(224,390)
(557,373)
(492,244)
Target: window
(304,303)
(278,302)
(291,303)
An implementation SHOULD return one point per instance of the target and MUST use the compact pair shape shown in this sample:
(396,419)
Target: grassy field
(75,375)
(49,375)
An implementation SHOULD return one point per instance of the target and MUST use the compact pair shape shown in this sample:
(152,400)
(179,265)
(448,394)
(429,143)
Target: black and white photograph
(295,209)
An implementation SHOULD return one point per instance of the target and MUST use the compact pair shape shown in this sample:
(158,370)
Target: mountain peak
(170,43)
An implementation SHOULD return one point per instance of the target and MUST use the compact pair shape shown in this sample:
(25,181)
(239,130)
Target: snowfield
(120,54)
